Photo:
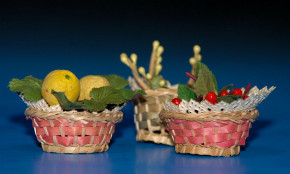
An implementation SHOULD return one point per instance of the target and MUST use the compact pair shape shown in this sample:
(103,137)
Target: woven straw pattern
(60,133)
(146,117)
(220,135)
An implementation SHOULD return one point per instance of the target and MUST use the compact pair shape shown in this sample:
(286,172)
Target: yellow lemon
(60,81)
(89,82)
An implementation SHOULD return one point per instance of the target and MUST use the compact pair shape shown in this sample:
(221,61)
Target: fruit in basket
(238,92)
(176,101)
(89,82)
(60,81)
(223,93)
(211,97)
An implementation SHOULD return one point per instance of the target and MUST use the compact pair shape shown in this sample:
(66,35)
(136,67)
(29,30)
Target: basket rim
(210,116)
(75,115)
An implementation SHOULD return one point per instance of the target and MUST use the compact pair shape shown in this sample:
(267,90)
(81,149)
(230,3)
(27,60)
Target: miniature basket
(215,134)
(146,117)
(72,131)
(216,130)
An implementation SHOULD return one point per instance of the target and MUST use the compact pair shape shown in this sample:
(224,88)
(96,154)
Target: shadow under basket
(146,116)
(73,132)
(214,134)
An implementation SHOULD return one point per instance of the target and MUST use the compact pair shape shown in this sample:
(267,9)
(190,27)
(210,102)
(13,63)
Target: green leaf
(214,81)
(106,95)
(30,87)
(206,81)
(65,104)
(128,94)
(116,81)
(226,87)
(184,92)
(228,98)
(94,106)
(198,65)
(155,82)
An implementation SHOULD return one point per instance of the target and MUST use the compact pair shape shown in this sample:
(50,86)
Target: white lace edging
(256,96)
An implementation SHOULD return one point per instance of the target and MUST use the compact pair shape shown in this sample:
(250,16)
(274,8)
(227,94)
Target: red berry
(176,101)
(245,97)
(238,92)
(223,93)
(211,97)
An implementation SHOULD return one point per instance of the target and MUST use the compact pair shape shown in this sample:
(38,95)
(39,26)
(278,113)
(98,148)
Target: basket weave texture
(214,134)
(73,132)
(146,117)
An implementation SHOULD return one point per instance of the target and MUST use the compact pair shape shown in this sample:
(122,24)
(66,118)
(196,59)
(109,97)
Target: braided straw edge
(75,116)
(74,149)
(211,116)
(144,135)
(211,151)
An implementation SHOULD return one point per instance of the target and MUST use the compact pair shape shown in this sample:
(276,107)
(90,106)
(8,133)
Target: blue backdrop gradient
(241,43)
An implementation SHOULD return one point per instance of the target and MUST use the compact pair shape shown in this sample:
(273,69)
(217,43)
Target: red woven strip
(98,139)
(242,141)
(216,138)
(65,141)
(228,128)
(195,140)
(213,124)
(63,123)
(93,131)
(106,130)
(72,131)
(191,125)
(226,144)
(84,140)
(48,139)
(245,127)
(204,131)
(183,132)
(236,135)
(53,131)
(42,123)
(39,131)
(179,140)
(173,126)
(108,139)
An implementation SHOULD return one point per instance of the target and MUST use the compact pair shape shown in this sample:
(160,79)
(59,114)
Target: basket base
(74,149)
(143,135)
(201,150)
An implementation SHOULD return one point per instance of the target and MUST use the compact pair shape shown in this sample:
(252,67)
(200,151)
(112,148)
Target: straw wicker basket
(215,134)
(146,117)
(72,131)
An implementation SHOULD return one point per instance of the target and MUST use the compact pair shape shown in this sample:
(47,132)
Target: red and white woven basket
(215,134)
(73,132)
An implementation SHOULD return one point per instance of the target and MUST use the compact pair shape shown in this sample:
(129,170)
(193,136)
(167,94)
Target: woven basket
(146,117)
(73,132)
(214,134)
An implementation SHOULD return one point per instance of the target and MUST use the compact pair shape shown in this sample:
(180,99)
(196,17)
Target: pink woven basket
(59,134)
(198,134)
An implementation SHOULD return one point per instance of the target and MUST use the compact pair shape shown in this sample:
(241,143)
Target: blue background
(242,43)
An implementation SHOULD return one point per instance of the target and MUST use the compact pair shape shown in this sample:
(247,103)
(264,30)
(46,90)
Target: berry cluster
(212,97)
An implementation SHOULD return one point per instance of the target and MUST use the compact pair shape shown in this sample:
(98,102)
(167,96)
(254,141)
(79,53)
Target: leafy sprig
(29,87)
(205,82)
(101,98)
